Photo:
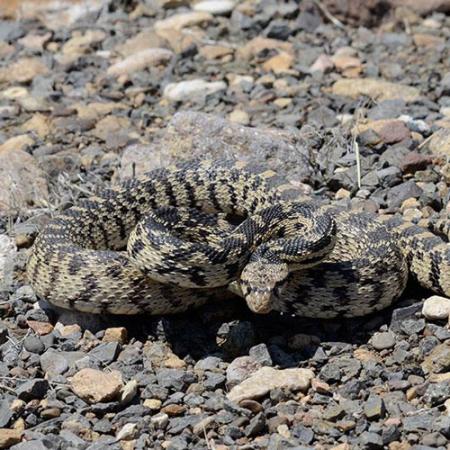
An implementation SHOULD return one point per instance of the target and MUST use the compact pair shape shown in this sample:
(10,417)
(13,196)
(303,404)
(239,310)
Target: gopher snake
(293,257)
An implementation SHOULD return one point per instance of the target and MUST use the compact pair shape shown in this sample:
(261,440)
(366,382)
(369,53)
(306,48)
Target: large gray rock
(198,135)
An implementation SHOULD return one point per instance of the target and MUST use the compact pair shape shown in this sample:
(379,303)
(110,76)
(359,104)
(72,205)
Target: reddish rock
(414,161)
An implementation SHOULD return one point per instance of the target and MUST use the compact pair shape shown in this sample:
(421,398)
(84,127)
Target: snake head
(262,277)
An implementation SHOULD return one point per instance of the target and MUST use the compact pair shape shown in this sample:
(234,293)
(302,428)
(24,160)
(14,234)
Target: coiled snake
(195,230)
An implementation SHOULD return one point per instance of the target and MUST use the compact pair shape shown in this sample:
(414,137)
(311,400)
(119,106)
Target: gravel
(95,95)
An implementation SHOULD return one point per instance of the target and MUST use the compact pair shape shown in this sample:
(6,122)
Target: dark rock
(303,434)
(33,389)
(260,353)
(236,338)
(256,425)
(437,393)
(418,422)
(106,352)
(175,379)
(442,425)
(33,344)
(412,326)
(374,408)
(371,440)
(5,413)
(398,194)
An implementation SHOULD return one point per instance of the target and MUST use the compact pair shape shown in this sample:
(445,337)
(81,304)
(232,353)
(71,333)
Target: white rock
(215,6)
(436,308)
(128,392)
(141,60)
(126,432)
(8,250)
(183,20)
(186,90)
(160,420)
(268,378)
(447,407)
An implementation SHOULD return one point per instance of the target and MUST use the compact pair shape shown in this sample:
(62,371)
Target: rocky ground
(349,100)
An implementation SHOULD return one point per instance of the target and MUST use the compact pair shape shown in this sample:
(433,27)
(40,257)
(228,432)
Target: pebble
(374,408)
(95,386)
(436,308)
(88,109)
(116,334)
(215,6)
(32,389)
(267,378)
(377,89)
(19,169)
(191,89)
(439,142)
(239,116)
(24,70)
(182,20)
(9,437)
(383,341)
(438,360)
(140,60)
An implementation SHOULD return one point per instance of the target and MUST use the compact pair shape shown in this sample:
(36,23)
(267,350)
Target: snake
(182,236)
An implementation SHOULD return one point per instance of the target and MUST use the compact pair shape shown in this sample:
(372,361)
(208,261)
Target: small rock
(371,441)
(174,362)
(183,20)
(150,57)
(216,7)
(33,344)
(427,40)
(55,363)
(376,89)
(322,64)
(382,341)
(33,389)
(153,403)
(256,425)
(215,51)
(239,116)
(6,413)
(105,352)
(127,432)
(24,70)
(261,354)
(374,408)
(333,413)
(9,437)
(438,360)
(442,425)
(436,308)
(160,420)
(389,131)
(128,392)
(260,44)
(240,369)
(119,334)
(439,142)
(279,63)
(173,410)
(22,182)
(414,161)
(267,378)
(95,386)
(191,89)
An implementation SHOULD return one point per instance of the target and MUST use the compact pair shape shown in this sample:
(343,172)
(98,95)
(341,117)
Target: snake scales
(229,223)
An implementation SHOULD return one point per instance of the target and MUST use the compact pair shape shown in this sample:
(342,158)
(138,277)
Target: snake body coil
(332,262)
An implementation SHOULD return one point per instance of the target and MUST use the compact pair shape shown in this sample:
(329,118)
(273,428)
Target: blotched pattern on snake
(198,230)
